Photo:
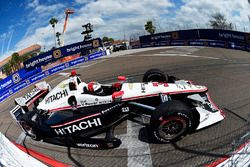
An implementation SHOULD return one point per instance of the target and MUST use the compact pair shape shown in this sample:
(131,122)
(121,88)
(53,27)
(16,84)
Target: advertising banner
(39,76)
(58,53)
(17,77)
(199,37)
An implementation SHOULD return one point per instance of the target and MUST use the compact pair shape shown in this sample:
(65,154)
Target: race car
(73,115)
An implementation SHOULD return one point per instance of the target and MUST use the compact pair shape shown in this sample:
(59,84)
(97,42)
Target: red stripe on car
(85,117)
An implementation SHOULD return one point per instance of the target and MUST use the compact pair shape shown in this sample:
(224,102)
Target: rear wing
(40,89)
(17,113)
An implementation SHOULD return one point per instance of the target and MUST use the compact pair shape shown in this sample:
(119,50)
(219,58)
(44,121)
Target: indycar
(70,115)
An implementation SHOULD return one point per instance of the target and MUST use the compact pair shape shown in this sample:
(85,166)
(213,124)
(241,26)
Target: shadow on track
(72,158)
(204,153)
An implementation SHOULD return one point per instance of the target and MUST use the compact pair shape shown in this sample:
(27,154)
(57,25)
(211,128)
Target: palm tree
(26,57)
(53,21)
(15,61)
(58,38)
(149,27)
(7,69)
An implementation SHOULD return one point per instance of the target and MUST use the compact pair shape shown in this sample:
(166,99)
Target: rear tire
(170,121)
(154,75)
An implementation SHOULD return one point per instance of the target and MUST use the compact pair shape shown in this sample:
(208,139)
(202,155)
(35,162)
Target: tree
(26,57)
(58,38)
(15,62)
(149,27)
(53,21)
(219,21)
(7,69)
(107,39)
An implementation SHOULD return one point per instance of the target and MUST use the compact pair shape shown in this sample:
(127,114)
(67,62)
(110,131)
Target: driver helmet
(95,87)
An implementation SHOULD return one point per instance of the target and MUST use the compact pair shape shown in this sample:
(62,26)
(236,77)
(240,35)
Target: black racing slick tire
(154,75)
(170,121)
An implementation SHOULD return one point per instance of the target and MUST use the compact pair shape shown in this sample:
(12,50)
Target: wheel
(154,75)
(170,121)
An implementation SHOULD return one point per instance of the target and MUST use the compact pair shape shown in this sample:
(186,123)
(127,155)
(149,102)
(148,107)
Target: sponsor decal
(57,54)
(27,82)
(164,98)
(208,105)
(86,145)
(4,96)
(130,86)
(231,35)
(56,96)
(66,64)
(160,37)
(96,102)
(110,109)
(105,102)
(179,86)
(19,86)
(83,125)
(31,94)
(9,82)
(175,35)
(143,88)
(46,72)
(16,78)
(96,43)
(35,62)
(85,103)
(125,109)
(156,84)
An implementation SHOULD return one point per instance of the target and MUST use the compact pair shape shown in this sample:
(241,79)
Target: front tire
(170,121)
(154,75)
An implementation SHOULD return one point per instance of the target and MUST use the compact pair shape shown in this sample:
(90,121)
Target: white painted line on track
(87,65)
(167,52)
(64,73)
(185,55)
(94,63)
(20,138)
(139,154)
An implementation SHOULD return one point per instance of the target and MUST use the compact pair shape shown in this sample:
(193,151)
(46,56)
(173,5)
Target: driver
(95,88)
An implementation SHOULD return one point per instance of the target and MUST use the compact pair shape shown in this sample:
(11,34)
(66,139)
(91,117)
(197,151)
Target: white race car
(73,112)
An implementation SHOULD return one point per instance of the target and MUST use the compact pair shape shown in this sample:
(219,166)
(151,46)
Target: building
(29,50)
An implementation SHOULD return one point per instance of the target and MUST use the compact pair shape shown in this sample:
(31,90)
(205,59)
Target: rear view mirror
(121,78)
(117,96)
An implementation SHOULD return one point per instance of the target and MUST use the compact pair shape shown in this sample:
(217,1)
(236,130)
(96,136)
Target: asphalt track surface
(225,72)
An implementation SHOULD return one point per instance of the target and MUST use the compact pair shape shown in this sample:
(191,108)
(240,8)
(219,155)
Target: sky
(26,22)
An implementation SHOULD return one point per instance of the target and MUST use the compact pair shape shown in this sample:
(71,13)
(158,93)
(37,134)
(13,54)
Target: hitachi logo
(78,127)
(56,96)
